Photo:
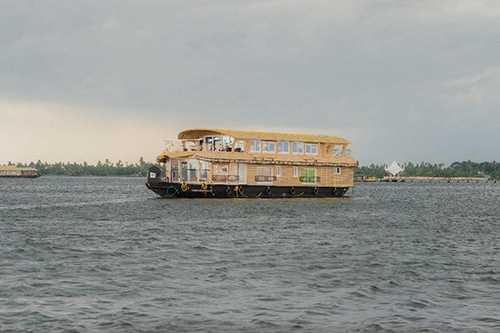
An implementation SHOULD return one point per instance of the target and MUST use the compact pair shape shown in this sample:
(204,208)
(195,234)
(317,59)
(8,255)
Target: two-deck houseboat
(216,163)
(11,171)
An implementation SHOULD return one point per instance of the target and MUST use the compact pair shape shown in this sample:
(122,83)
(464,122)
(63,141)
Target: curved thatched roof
(201,132)
(15,168)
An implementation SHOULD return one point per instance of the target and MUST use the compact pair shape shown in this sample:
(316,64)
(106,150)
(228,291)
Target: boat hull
(183,190)
(19,176)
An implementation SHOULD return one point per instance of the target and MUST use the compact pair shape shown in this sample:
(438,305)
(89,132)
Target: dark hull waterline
(183,190)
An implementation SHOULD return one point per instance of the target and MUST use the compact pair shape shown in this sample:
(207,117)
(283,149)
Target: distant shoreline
(424,169)
(468,168)
(74,169)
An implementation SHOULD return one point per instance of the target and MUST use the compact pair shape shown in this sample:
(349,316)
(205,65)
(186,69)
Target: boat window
(220,173)
(268,147)
(220,169)
(208,142)
(227,143)
(213,143)
(264,175)
(336,170)
(298,147)
(278,171)
(308,176)
(295,171)
(242,173)
(255,146)
(175,174)
(190,146)
(311,149)
(239,146)
(203,165)
(337,150)
(284,147)
(217,145)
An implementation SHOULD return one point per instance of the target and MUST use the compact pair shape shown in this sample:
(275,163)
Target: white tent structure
(394,169)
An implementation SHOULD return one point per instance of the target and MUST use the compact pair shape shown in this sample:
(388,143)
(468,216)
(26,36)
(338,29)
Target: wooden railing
(310,179)
(224,178)
(265,178)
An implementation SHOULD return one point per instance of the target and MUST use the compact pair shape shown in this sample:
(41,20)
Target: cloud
(475,91)
(29,132)
(372,71)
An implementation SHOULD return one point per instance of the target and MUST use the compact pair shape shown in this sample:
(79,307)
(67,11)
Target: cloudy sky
(402,80)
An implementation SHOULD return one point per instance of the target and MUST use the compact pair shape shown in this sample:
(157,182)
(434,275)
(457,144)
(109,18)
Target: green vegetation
(101,169)
(425,169)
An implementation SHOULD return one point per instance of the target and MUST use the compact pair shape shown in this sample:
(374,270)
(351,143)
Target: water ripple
(103,254)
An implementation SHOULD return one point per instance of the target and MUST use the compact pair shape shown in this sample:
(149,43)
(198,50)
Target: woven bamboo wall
(287,176)
(326,174)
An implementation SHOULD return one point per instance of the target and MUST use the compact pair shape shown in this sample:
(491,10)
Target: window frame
(307,170)
(283,146)
(311,145)
(240,144)
(298,145)
(295,171)
(337,150)
(266,143)
(261,168)
(259,143)
(336,171)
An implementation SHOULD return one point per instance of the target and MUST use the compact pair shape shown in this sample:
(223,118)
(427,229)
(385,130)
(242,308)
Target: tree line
(426,169)
(105,168)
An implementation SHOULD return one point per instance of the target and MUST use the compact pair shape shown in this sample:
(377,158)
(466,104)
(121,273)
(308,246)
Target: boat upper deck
(259,148)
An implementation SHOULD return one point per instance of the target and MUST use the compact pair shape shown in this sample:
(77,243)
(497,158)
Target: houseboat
(216,163)
(11,171)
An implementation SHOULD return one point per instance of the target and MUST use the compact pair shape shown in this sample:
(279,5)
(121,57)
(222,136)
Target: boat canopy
(15,168)
(199,133)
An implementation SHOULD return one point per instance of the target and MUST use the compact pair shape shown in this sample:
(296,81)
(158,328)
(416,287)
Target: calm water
(104,254)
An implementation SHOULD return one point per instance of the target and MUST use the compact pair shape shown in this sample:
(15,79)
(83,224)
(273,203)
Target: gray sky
(402,80)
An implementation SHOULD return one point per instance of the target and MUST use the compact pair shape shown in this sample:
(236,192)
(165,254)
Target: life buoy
(174,193)
(268,191)
(292,190)
(228,190)
(315,191)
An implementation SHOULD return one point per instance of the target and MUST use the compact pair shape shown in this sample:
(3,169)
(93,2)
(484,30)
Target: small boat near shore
(215,163)
(11,171)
